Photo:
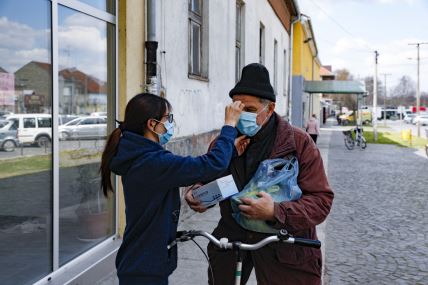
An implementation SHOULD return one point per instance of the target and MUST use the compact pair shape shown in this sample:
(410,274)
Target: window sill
(88,268)
(198,77)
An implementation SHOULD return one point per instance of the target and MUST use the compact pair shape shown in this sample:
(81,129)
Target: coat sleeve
(180,171)
(317,197)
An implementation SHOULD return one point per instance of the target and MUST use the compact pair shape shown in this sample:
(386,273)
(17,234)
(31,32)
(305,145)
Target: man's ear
(271,107)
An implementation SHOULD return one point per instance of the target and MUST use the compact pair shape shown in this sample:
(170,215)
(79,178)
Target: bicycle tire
(363,143)
(349,143)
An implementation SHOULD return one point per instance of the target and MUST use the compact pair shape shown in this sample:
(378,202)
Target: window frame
(112,61)
(239,39)
(262,43)
(275,66)
(201,20)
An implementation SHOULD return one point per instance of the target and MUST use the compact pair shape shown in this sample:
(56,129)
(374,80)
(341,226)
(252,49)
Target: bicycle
(359,140)
(223,243)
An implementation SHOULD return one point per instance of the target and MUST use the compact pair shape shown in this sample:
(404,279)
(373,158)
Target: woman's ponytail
(109,151)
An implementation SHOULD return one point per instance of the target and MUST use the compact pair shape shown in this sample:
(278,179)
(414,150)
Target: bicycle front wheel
(349,143)
(363,143)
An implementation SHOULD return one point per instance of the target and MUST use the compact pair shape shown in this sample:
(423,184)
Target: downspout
(151,46)
(311,111)
(290,67)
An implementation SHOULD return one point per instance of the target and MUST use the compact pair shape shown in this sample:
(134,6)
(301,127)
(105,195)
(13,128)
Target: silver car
(84,128)
(9,135)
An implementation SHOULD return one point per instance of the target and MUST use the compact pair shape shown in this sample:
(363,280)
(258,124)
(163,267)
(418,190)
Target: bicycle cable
(208,260)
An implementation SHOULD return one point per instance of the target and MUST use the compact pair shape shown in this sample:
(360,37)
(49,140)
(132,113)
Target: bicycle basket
(347,133)
(278,177)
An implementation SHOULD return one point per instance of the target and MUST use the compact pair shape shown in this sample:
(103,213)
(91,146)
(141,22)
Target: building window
(52,72)
(198,38)
(285,67)
(275,66)
(239,43)
(262,44)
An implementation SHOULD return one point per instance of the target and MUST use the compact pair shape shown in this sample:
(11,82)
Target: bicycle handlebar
(224,243)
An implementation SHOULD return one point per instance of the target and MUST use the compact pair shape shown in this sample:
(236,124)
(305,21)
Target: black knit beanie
(254,81)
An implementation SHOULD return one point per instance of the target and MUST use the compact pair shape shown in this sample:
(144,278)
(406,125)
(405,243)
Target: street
(399,125)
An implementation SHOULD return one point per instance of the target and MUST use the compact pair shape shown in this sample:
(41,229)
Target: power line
(338,24)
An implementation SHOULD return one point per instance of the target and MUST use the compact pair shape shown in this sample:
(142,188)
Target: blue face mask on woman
(247,124)
(165,137)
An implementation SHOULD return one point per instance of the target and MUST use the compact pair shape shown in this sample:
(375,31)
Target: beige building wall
(131,68)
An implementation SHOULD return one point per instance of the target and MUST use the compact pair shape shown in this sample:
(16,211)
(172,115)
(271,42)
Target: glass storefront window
(86,102)
(26,152)
(86,217)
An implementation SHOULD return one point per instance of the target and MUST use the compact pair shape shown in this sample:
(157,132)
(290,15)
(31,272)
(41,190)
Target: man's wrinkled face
(254,105)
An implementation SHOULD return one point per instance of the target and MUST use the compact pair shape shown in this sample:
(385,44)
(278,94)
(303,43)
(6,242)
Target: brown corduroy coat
(284,263)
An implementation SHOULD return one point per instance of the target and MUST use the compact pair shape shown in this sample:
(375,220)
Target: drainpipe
(311,98)
(151,46)
(290,68)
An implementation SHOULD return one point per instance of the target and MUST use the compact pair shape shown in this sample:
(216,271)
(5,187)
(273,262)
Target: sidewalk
(377,229)
(192,264)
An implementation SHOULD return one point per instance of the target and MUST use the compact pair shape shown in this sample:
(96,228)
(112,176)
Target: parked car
(99,114)
(62,119)
(348,117)
(9,135)
(84,127)
(33,128)
(422,119)
(408,119)
(4,114)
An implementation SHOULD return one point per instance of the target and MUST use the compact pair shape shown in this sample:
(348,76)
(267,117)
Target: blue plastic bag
(278,177)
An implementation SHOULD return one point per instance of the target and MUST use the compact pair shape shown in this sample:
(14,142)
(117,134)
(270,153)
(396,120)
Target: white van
(34,128)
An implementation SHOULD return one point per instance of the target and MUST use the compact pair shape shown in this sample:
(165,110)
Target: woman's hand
(232,113)
(195,205)
(241,144)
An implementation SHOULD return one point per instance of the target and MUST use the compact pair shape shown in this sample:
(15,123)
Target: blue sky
(348,31)
(25,36)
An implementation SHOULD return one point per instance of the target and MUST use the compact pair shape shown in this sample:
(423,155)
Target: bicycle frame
(359,138)
(238,246)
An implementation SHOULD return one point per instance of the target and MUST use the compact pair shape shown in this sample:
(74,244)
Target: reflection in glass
(25,136)
(86,217)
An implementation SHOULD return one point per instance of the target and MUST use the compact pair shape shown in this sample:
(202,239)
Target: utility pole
(384,99)
(375,99)
(418,93)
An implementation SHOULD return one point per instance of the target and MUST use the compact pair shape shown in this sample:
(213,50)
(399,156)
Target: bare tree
(404,92)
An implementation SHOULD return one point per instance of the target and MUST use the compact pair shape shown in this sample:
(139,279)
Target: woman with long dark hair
(151,176)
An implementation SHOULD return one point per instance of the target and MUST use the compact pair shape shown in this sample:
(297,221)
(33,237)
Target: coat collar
(284,141)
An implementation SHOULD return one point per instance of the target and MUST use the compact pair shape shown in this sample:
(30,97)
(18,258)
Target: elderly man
(271,137)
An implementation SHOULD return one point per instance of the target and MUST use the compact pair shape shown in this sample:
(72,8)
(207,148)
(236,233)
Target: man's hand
(195,205)
(259,209)
(241,144)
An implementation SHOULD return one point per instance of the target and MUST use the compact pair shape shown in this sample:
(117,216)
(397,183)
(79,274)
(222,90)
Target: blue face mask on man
(247,124)
(165,137)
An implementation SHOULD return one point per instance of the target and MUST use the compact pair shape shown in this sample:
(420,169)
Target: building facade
(305,67)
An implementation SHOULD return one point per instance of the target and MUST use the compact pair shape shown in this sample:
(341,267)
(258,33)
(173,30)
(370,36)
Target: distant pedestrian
(313,127)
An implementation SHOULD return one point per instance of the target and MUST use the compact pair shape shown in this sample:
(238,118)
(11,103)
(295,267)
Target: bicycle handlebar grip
(307,242)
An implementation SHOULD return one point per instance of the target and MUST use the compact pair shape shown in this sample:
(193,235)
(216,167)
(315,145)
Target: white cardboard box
(215,191)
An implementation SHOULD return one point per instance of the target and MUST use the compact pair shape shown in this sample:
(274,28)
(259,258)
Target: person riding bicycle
(271,137)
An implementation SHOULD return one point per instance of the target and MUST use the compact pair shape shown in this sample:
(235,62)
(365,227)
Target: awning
(335,87)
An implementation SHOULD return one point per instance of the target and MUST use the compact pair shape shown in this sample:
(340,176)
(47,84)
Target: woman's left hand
(241,144)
